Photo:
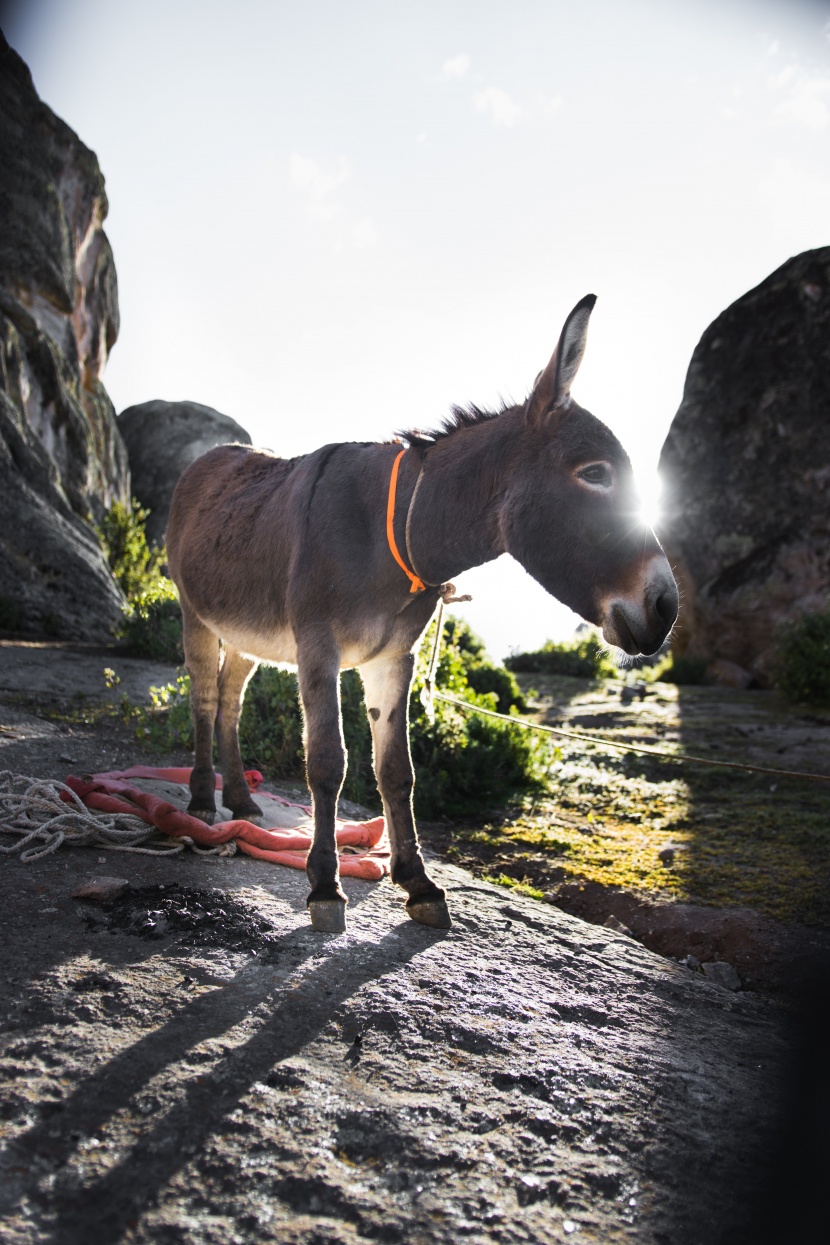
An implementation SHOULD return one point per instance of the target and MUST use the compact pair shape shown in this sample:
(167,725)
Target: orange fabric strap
(417,584)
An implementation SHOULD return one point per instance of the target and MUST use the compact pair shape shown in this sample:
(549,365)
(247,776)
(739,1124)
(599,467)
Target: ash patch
(197,918)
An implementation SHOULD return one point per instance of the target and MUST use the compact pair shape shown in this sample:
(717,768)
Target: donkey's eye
(597,474)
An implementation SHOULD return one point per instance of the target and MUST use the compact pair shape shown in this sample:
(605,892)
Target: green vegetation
(463,763)
(152,625)
(684,671)
(605,816)
(802,662)
(135,565)
(585,657)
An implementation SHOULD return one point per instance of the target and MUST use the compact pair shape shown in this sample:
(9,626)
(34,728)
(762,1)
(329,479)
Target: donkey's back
(262,547)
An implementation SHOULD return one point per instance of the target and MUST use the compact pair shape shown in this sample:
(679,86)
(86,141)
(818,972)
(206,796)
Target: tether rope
(627,747)
(45,813)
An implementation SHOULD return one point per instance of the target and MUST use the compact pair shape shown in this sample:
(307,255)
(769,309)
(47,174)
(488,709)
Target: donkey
(302,561)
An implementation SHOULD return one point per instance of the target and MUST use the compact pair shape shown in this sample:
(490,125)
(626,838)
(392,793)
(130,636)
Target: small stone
(691,961)
(722,974)
(159,928)
(529,1189)
(101,889)
(666,856)
(611,922)
(630,691)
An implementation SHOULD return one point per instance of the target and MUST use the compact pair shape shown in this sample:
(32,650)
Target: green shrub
(152,624)
(166,724)
(484,678)
(801,669)
(585,657)
(673,668)
(153,628)
(463,763)
(135,565)
(271,726)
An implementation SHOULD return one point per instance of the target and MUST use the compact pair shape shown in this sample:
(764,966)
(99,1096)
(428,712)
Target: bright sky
(334,219)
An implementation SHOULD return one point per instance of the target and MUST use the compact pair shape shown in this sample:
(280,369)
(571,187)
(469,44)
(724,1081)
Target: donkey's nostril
(666,607)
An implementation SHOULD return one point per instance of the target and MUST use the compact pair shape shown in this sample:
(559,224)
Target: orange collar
(417,585)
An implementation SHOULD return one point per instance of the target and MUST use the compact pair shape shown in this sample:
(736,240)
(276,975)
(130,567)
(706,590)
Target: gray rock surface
(163,438)
(746,469)
(56,671)
(523,1077)
(189,1063)
(62,460)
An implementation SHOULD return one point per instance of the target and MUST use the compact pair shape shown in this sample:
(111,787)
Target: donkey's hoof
(328,916)
(252,813)
(433,912)
(207,815)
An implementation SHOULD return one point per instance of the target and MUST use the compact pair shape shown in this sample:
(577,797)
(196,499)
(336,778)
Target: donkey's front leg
(318,671)
(386,683)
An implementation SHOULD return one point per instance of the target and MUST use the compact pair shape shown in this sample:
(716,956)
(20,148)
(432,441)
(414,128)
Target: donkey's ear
(553,385)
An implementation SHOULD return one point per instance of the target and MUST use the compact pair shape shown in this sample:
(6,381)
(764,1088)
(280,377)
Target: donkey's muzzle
(639,624)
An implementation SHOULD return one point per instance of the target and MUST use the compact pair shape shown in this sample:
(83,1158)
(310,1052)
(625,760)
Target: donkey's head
(570,513)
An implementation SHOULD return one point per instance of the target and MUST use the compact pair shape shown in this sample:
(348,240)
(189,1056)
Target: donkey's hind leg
(318,670)
(233,679)
(201,655)
(386,683)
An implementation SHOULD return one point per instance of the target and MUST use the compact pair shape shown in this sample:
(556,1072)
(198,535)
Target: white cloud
(502,109)
(547,105)
(307,175)
(781,79)
(456,67)
(363,234)
(807,102)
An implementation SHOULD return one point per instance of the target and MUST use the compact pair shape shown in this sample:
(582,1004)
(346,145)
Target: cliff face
(746,469)
(62,460)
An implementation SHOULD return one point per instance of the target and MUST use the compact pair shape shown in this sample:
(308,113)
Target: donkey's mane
(459,418)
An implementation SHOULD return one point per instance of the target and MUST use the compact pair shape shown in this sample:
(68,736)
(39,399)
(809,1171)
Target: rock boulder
(163,438)
(62,460)
(746,470)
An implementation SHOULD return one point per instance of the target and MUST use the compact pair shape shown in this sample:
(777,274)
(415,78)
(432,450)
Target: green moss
(605,817)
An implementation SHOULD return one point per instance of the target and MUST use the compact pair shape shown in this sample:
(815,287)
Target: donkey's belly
(281,646)
(274,646)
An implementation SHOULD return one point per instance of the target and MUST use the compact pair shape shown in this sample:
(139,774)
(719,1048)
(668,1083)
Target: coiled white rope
(44,813)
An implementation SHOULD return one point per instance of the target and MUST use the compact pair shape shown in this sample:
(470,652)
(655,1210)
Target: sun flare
(650,489)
